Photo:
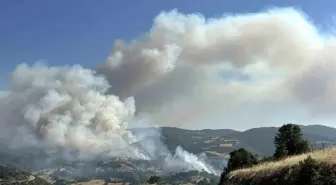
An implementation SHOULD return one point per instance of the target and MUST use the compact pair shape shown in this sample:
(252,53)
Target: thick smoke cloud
(66,107)
(315,84)
(179,71)
(186,70)
(66,111)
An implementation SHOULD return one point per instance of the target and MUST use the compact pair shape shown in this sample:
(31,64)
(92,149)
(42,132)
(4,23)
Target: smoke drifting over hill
(175,75)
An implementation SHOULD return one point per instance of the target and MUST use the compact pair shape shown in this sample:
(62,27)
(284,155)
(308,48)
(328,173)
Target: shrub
(154,179)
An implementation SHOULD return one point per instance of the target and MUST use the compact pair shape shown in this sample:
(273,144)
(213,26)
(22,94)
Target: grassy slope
(286,171)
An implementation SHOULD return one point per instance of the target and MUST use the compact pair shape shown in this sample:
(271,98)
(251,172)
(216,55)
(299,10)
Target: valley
(212,145)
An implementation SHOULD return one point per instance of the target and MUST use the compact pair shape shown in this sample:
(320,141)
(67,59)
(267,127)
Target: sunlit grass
(326,155)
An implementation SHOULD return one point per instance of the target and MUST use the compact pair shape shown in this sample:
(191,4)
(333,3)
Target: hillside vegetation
(312,168)
(321,156)
(9,176)
(293,163)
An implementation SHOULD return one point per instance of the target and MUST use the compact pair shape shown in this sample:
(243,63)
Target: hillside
(119,172)
(260,140)
(222,141)
(321,130)
(319,169)
(192,140)
(10,176)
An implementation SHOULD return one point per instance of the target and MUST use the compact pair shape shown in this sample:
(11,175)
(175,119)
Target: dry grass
(327,155)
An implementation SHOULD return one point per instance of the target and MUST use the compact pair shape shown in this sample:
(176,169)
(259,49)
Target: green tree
(154,179)
(280,151)
(241,158)
(289,141)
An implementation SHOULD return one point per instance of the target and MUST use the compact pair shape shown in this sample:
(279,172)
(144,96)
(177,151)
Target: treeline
(288,142)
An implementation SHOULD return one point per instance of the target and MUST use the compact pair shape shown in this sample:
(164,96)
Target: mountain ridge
(258,140)
(216,144)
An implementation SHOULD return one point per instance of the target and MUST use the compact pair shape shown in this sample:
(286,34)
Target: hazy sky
(83,31)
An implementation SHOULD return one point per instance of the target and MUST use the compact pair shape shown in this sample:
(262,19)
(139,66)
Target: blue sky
(82,31)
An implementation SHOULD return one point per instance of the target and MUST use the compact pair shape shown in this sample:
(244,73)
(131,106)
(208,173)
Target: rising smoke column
(65,107)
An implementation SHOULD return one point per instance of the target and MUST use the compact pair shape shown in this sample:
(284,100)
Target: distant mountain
(192,140)
(261,139)
(256,140)
(320,130)
(219,132)
(223,141)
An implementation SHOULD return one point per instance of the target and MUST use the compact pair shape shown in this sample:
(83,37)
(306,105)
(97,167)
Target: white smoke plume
(248,67)
(188,67)
(185,161)
(181,160)
(66,107)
